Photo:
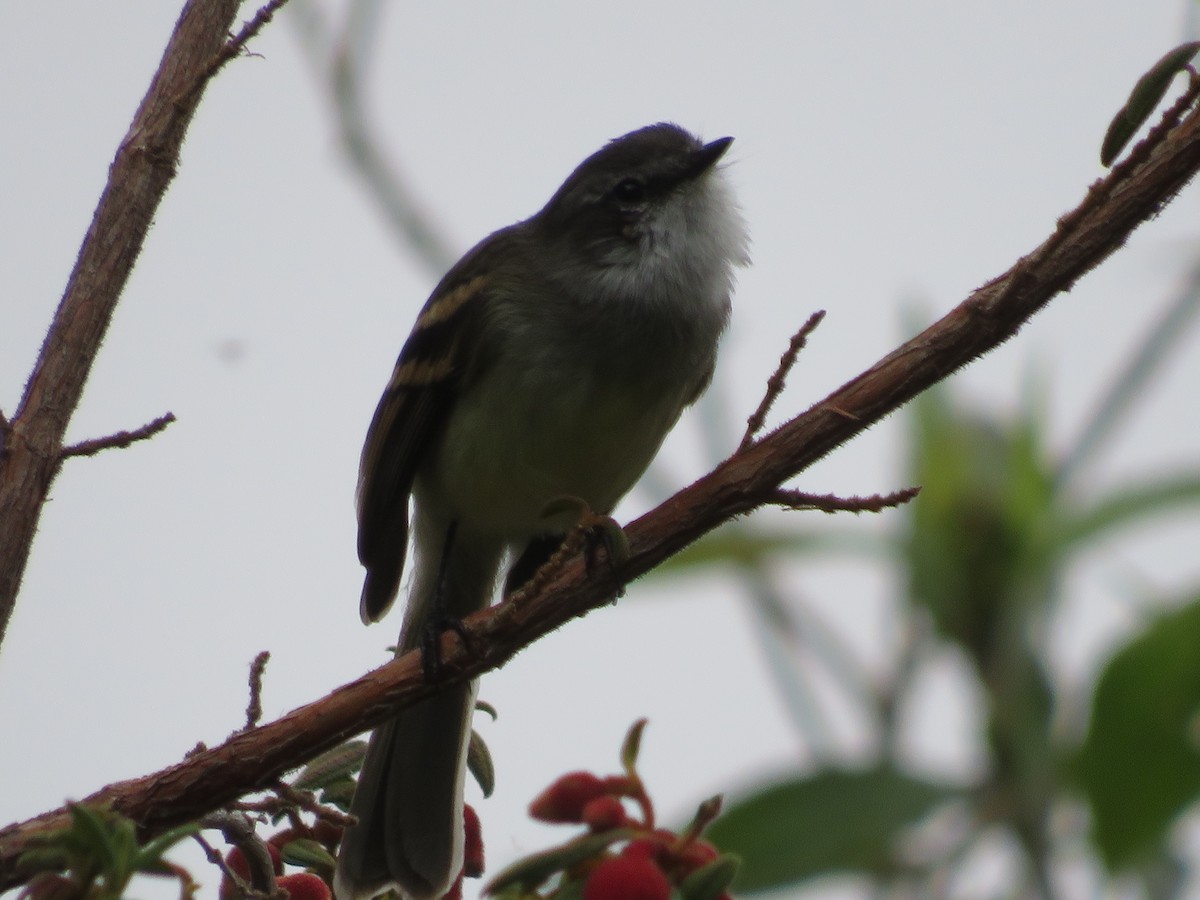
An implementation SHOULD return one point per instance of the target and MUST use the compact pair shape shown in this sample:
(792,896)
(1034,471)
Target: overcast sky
(889,158)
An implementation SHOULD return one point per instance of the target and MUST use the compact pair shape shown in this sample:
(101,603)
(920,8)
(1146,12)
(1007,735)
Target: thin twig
(306,801)
(254,707)
(215,857)
(118,440)
(831,503)
(776,382)
(235,44)
(238,830)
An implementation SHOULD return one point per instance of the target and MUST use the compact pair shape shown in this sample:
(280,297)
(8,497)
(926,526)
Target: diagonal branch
(250,760)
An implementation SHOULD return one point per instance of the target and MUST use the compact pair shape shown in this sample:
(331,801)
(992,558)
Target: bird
(551,361)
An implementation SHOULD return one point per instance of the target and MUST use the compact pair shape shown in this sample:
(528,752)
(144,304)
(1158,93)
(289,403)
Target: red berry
(472,843)
(647,848)
(604,813)
(564,800)
(305,886)
(627,878)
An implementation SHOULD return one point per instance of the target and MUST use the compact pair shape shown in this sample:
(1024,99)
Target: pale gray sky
(887,156)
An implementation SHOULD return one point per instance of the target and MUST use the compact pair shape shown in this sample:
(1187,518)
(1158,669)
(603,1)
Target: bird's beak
(706,157)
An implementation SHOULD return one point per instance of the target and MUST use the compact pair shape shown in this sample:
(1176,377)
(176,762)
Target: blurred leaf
(978,542)
(151,854)
(833,821)
(711,881)
(751,545)
(1127,504)
(1140,763)
(1143,99)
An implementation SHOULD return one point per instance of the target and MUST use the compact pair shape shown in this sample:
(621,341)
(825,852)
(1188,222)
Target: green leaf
(833,821)
(339,793)
(96,839)
(153,850)
(1143,99)
(331,766)
(631,746)
(710,881)
(307,854)
(484,707)
(1140,762)
(480,765)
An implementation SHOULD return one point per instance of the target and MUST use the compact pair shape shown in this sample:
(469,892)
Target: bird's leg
(594,529)
(440,618)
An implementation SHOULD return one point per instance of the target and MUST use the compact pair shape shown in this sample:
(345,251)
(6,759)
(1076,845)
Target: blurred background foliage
(982,559)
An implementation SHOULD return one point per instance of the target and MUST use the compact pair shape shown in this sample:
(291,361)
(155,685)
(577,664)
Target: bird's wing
(415,405)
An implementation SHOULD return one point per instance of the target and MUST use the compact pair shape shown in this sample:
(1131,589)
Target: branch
(254,708)
(118,440)
(144,165)
(777,381)
(252,760)
(831,503)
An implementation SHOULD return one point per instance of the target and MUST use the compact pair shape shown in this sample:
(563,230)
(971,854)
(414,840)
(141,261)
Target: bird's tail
(409,797)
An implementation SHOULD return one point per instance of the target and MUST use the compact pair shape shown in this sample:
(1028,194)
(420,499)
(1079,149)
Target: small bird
(550,362)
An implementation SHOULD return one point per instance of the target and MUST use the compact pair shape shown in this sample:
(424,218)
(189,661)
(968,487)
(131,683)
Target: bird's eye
(629,190)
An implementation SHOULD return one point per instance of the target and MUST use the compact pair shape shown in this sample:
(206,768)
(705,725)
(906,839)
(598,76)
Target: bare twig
(775,383)
(214,856)
(118,440)
(306,801)
(234,46)
(831,503)
(239,831)
(254,707)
